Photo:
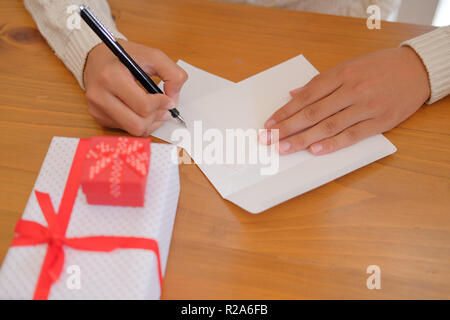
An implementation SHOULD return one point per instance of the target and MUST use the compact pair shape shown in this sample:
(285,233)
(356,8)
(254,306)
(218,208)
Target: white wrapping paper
(120,274)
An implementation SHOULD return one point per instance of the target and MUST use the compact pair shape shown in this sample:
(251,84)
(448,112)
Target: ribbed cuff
(80,42)
(434,50)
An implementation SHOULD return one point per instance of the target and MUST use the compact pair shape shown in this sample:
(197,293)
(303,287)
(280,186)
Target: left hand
(359,98)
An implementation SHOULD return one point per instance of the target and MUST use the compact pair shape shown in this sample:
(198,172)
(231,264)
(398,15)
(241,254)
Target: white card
(222,105)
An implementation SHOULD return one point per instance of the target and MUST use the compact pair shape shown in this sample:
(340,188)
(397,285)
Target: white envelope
(221,105)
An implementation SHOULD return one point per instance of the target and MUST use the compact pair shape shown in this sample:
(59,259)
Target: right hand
(116,100)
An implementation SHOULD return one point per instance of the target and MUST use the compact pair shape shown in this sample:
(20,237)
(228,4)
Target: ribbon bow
(125,152)
(33,233)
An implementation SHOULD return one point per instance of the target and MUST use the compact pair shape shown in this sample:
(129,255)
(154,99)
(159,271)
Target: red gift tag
(115,171)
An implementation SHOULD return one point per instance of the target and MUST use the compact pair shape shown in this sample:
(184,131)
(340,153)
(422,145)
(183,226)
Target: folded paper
(220,105)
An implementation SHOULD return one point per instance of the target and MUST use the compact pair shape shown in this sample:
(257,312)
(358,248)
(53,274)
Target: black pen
(108,39)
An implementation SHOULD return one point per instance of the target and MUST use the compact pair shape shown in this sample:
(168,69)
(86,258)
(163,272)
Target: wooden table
(394,213)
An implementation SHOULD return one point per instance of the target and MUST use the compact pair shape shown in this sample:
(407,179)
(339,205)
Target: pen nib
(181,120)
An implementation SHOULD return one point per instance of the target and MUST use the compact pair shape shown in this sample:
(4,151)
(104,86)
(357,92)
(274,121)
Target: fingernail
(166,116)
(170,105)
(176,98)
(316,148)
(264,138)
(270,123)
(295,91)
(284,146)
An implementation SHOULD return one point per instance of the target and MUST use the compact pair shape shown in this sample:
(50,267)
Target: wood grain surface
(394,213)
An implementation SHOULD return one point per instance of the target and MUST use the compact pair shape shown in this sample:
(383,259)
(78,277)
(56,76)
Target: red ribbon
(32,233)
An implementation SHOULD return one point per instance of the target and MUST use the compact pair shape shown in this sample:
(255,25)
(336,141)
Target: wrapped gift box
(115,171)
(107,248)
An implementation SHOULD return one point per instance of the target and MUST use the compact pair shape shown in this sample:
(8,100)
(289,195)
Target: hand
(116,100)
(359,98)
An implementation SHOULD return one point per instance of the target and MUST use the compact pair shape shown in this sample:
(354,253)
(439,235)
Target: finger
(155,125)
(161,117)
(122,85)
(295,91)
(329,127)
(347,137)
(173,76)
(126,118)
(313,114)
(319,87)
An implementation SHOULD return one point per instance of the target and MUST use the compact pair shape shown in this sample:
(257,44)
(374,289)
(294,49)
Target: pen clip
(87,11)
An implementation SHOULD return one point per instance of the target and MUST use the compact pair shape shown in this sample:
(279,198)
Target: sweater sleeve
(434,50)
(68,35)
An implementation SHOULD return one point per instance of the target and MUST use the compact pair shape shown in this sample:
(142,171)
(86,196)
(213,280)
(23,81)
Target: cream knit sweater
(72,45)
(57,23)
